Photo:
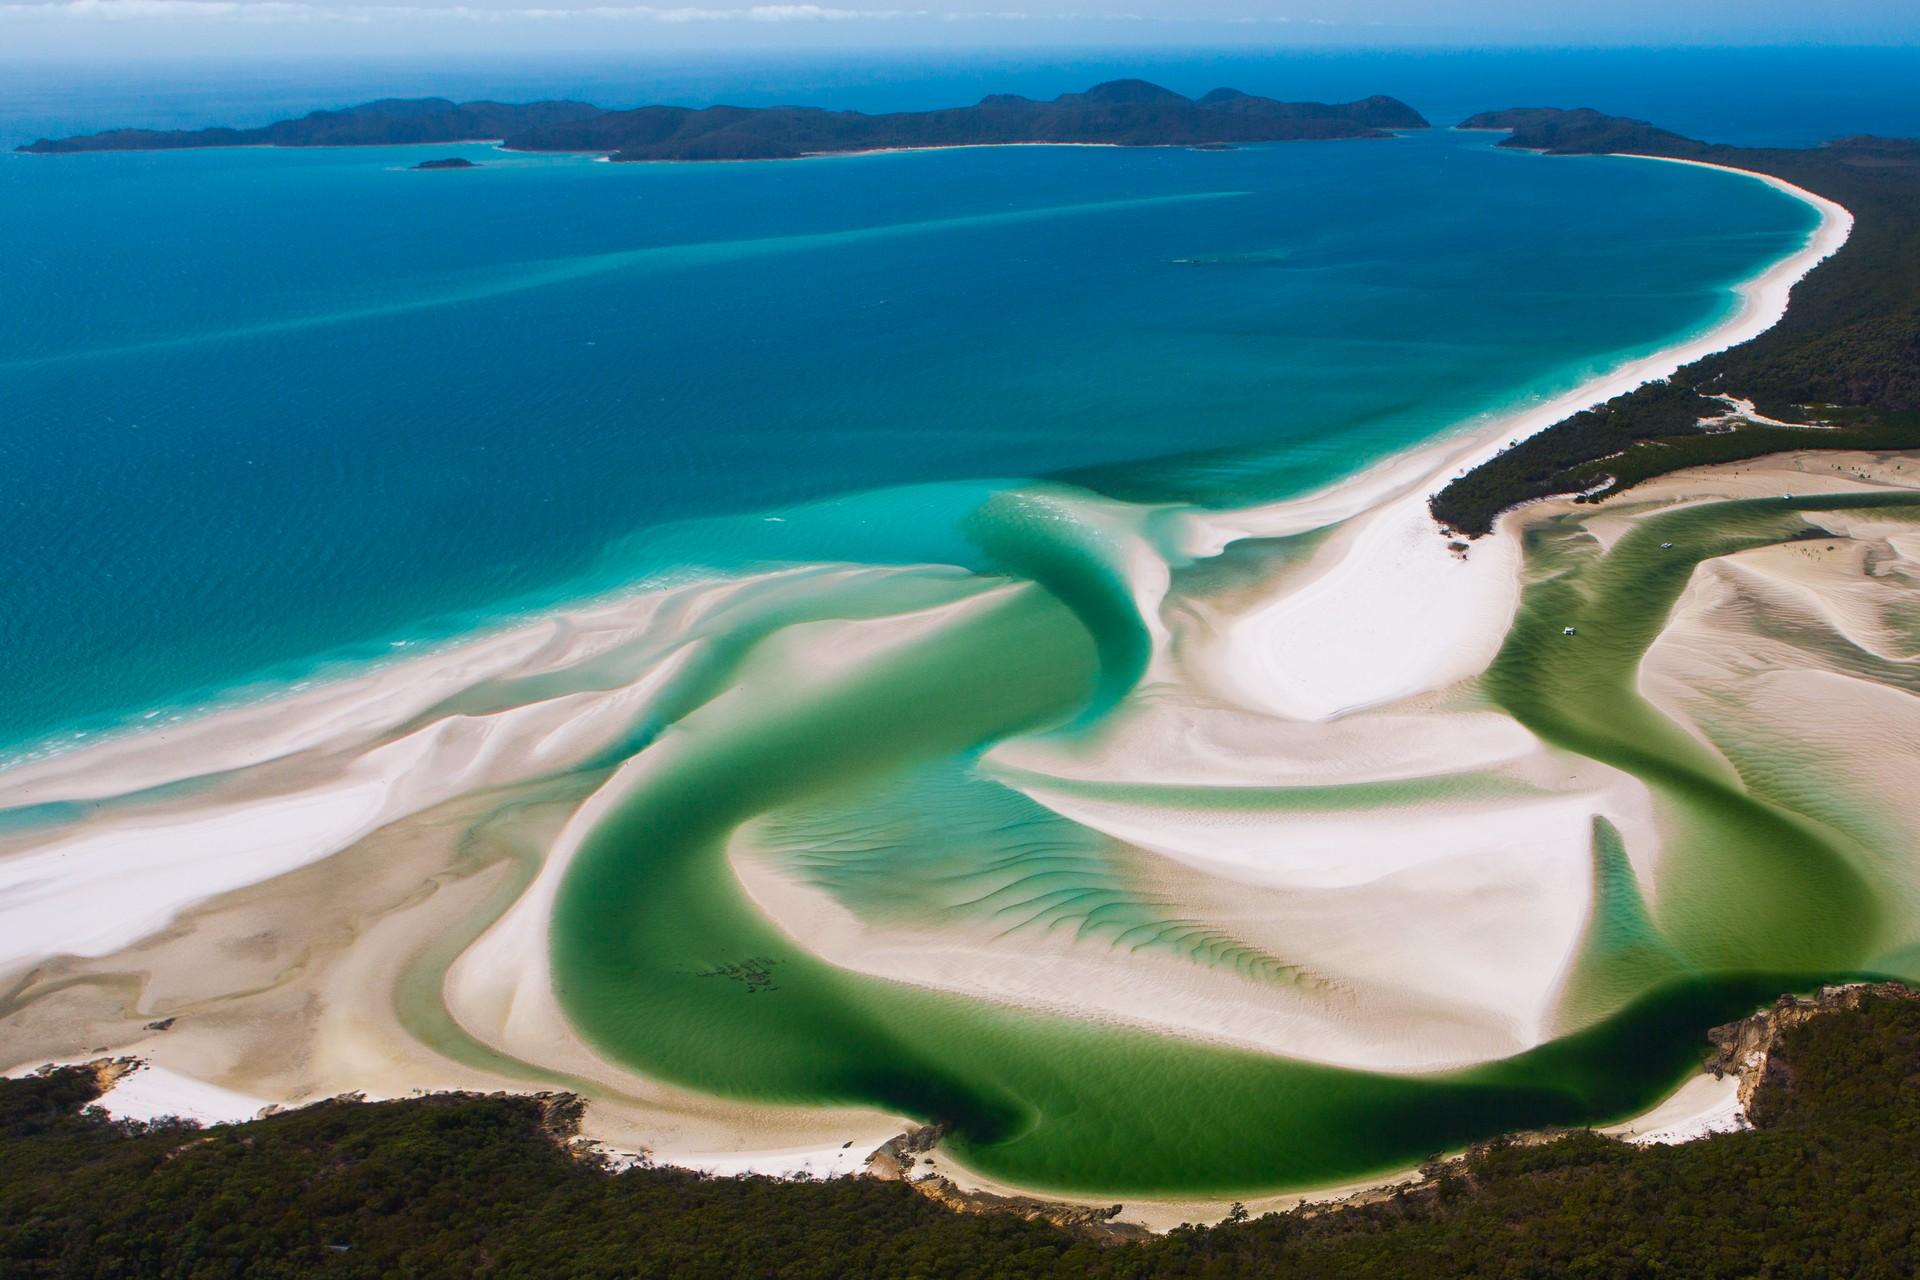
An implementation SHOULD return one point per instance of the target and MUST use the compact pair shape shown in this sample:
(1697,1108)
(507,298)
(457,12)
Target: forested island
(469,1185)
(388,122)
(1130,113)
(1843,366)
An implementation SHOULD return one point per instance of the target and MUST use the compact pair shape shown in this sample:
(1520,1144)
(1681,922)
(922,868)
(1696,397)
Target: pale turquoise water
(264,411)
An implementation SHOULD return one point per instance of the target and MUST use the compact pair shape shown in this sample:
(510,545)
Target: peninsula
(1130,113)
(1840,371)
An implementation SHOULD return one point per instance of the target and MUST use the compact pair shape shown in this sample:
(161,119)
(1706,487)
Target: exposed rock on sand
(894,1161)
(1745,1049)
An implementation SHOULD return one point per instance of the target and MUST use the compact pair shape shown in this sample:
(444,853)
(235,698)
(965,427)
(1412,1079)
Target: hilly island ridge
(1130,113)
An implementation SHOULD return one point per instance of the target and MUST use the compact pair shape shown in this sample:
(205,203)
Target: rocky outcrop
(560,1114)
(1745,1048)
(1096,1221)
(107,1072)
(894,1161)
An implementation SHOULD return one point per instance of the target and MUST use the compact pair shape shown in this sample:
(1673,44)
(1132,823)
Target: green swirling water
(1755,899)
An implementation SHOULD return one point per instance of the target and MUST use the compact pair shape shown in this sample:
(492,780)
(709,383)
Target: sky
(69,28)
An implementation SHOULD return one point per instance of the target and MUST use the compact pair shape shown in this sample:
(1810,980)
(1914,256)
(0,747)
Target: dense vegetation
(1847,355)
(1124,112)
(466,1185)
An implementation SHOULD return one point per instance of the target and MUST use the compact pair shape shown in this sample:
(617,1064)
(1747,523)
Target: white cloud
(810,12)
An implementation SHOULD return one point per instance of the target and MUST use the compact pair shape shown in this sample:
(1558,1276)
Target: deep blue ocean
(263,412)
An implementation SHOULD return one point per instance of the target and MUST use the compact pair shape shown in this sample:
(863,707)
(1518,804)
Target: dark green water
(653,938)
(1744,882)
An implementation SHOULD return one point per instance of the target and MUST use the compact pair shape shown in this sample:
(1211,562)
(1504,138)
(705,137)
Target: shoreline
(1766,295)
(1702,1106)
(277,146)
(607,157)
(499,144)
(1381,136)
(1336,644)
(1313,655)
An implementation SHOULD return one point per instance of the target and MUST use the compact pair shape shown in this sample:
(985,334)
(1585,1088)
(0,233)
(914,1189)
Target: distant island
(449,162)
(1581,131)
(1840,371)
(1130,113)
(388,122)
(1121,113)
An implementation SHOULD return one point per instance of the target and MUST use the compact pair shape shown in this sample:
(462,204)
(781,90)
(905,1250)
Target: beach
(352,887)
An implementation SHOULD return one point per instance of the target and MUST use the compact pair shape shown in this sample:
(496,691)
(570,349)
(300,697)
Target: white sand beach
(1386,610)
(284,876)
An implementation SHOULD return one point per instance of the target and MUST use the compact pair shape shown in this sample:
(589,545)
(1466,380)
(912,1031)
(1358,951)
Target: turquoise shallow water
(265,411)
(322,410)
